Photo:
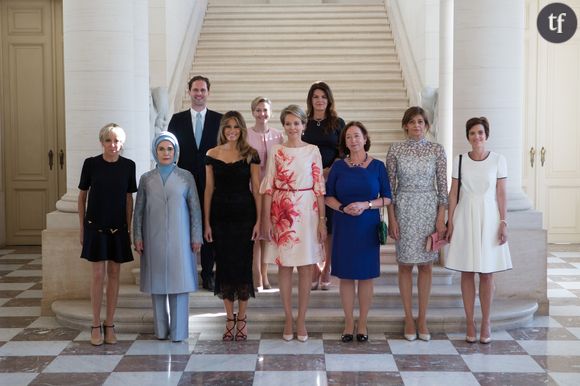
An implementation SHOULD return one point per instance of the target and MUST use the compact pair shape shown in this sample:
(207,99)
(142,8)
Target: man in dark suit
(196,130)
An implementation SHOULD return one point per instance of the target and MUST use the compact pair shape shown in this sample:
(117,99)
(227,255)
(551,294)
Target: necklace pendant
(318,123)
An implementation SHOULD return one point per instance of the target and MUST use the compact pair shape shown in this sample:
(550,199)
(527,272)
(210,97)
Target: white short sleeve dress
(474,244)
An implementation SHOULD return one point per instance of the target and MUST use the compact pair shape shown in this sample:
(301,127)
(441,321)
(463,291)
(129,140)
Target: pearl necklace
(357,164)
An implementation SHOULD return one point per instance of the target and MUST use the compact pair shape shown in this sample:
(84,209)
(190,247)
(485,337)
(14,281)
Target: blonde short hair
(259,100)
(112,128)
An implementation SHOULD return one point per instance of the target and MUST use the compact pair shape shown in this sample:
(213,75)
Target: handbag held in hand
(434,243)
(382,229)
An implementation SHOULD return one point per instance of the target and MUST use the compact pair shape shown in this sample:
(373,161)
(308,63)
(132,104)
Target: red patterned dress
(294,180)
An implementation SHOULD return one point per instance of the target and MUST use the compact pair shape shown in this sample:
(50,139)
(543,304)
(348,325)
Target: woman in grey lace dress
(418,178)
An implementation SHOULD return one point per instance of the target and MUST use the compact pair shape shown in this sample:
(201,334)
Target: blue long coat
(167,219)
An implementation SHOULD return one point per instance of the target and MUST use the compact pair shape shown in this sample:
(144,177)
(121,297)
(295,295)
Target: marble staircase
(278,50)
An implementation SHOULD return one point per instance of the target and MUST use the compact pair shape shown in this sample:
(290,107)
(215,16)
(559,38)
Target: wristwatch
(370,204)
(341,208)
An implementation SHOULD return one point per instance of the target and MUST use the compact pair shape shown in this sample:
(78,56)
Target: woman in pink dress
(261,137)
(294,215)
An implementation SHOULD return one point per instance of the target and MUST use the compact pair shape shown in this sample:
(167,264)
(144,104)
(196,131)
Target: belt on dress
(293,190)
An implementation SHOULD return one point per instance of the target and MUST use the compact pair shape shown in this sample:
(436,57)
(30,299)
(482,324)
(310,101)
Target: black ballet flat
(346,338)
(362,337)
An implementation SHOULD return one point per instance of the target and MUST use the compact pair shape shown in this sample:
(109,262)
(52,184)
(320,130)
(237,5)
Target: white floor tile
(543,321)
(30,294)
(45,322)
(566,254)
(565,310)
(482,363)
(33,348)
(8,333)
(553,260)
(360,362)
(269,378)
(222,362)
(16,379)
(575,331)
(15,286)
(86,335)
(571,285)
(546,347)
(152,378)
(560,293)
(22,256)
(564,271)
(9,267)
(436,378)
(157,347)
(566,379)
(26,273)
(278,346)
(83,364)
(19,311)
(433,347)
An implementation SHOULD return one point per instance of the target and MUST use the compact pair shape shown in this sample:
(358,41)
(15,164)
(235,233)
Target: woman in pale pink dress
(294,215)
(261,137)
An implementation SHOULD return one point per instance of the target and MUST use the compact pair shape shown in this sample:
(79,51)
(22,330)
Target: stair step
(505,314)
(307,69)
(446,296)
(252,36)
(292,51)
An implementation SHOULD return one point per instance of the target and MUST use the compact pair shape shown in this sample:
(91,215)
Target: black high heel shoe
(362,337)
(346,338)
(229,334)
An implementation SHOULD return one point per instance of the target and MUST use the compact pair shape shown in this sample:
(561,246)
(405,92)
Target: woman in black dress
(323,129)
(105,223)
(232,213)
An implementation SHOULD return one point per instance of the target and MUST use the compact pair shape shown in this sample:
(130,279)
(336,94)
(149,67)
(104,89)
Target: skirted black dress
(232,219)
(105,235)
(328,145)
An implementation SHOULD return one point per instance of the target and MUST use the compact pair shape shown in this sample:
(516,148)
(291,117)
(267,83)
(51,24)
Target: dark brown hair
(477,121)
(246,151)
(330,112)
(342,144)
(198,77)
(412,112)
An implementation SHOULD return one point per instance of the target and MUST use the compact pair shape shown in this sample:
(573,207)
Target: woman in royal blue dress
(357,187)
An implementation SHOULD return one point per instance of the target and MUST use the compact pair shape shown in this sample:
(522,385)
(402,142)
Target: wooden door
(33,115)
(552,140)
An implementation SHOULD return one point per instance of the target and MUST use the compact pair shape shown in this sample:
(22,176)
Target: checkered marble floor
(35,350)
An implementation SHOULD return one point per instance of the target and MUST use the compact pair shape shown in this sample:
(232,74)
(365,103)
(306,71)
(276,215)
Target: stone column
(106,80)
(488,74)
(445,102)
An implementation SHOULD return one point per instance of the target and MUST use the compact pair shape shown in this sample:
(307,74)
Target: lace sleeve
(391,164)
(441,176)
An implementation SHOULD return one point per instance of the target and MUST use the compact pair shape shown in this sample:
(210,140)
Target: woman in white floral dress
(417,171)
(294,215)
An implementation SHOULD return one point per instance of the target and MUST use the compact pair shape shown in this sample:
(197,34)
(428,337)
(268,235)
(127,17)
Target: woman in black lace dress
(232,214)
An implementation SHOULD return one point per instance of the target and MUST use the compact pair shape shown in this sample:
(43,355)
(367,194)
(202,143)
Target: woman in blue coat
(167,234)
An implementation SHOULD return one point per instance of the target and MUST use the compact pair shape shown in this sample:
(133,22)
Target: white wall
(174,27)
(420,19)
